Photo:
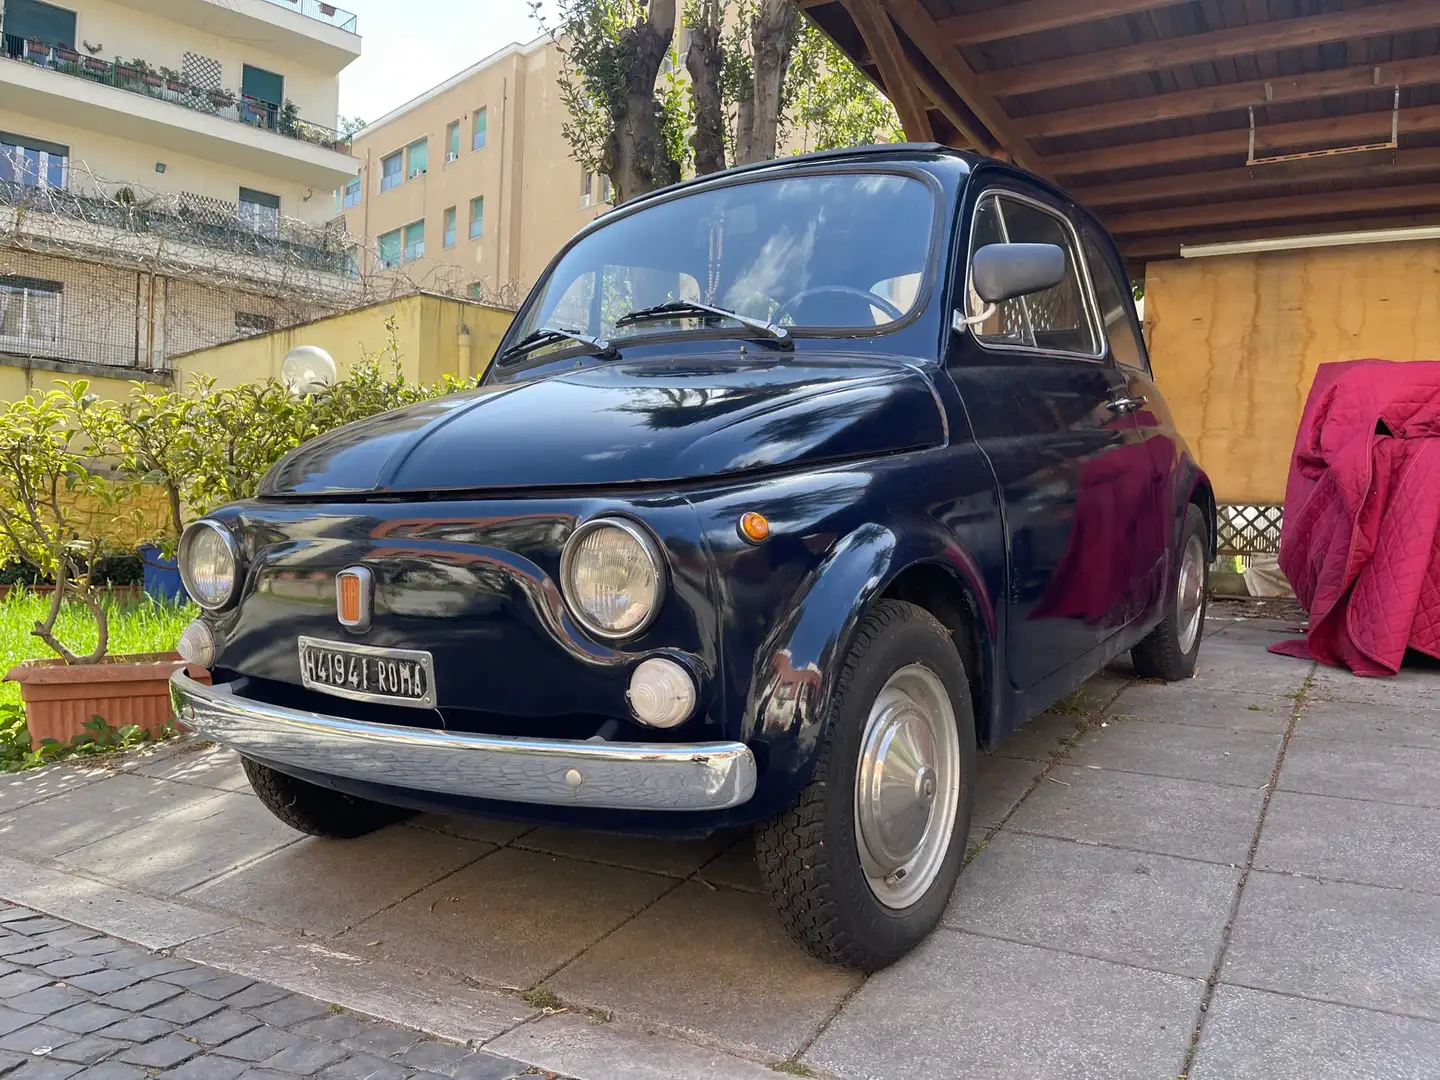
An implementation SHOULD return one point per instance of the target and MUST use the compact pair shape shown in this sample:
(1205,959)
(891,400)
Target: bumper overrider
(553,772)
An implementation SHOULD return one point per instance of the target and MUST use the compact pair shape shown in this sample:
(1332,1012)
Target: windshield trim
(781,171)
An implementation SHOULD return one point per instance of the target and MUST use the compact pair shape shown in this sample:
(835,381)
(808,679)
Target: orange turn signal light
(754,527)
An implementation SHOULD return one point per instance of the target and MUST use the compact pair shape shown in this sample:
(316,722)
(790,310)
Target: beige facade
(166,169)
(534,195)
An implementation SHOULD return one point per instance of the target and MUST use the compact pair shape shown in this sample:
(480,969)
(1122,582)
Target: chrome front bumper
(553,772)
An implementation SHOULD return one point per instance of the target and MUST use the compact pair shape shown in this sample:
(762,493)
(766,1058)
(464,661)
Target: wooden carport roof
(1142,108)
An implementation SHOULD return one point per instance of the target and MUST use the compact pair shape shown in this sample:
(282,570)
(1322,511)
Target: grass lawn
(145,626)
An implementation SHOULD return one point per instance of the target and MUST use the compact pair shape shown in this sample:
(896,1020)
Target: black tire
(317,810)
(809,856)
(1162,654)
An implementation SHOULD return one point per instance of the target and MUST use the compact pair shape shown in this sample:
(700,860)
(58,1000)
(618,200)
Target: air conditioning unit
(451,156)
(416,172)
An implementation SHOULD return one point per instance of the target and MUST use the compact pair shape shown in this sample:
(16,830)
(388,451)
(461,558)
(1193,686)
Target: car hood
(627,422)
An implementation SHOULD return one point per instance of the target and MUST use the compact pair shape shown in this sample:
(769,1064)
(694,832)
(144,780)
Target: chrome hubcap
(1190,593)
(907,786)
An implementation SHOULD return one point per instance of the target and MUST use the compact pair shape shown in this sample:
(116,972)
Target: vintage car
(789,492)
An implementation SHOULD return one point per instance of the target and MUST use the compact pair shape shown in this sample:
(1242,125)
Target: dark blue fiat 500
(788,491)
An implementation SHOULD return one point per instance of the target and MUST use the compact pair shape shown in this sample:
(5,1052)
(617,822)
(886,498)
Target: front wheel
(1171,649)
(316,810)
(862,866)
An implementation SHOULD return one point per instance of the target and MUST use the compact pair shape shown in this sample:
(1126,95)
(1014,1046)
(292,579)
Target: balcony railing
(326,13)
(148,82)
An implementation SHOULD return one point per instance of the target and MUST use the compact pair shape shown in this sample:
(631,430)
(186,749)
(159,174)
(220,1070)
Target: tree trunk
(772,37)
(636,158)
(705,62)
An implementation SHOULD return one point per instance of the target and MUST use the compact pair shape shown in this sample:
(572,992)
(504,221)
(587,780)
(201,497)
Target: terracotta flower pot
(61,698)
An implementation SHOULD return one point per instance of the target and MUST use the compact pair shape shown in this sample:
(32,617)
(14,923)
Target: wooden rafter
(1012,20)
(1143,248)
(953,108)
(1213,99)
(1234,143)
(1395,17)
(919,26)
(879,36)
(1420,196)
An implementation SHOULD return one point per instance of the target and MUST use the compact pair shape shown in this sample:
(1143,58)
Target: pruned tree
(705,60)
(773,28)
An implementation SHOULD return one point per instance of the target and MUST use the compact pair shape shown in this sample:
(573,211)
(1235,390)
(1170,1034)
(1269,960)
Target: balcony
(326,13)
(318,35)
(142,104)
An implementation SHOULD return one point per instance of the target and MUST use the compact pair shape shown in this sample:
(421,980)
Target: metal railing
(326,13)
(151,83)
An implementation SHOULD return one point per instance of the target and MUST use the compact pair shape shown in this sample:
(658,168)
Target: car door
(1051,412)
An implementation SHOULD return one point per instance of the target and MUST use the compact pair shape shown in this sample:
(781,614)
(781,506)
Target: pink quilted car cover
(1361,539)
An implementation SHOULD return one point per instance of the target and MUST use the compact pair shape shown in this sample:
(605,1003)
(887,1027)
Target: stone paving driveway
(1234,877)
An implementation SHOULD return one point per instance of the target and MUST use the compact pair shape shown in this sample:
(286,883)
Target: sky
(408,46)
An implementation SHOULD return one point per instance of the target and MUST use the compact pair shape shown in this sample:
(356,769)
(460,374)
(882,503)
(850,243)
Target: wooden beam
(1395,17)
(1213,99)
(1235,142)
(878,33)
(919,26)
(1031,17)
(953,108)
(1240,181)
(1235,212)
(1168,247)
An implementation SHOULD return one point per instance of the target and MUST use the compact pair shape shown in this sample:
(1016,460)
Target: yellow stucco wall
(1235,341)
(427,331)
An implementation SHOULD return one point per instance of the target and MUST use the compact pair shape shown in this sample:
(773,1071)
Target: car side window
(1057,319)
(1126,344)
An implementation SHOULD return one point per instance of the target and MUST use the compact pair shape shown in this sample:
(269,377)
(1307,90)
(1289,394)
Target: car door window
(1056,320)
(1113,296)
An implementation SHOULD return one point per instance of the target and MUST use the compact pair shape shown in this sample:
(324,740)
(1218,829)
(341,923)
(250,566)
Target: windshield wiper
(547,335)
(689,307)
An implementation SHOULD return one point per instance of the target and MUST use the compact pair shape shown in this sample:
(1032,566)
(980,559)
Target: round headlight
(613,576)
(209,561)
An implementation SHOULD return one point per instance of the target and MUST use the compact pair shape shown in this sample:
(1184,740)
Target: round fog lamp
(197,644)
(662,693)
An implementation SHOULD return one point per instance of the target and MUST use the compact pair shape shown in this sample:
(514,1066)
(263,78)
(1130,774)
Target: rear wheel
(862,866)
(316,810)
(1171,649)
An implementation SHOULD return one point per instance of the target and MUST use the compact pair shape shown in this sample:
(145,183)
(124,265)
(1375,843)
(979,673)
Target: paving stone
(210,766)
(1215,755)
(20,983)
(1182,703)
(1377,771)
(104,981)
(86,1017)
(382,1039)
(999,784)
(673,858)
(1349,722)
(1252,1035)
(334,1027)
(206,1067)
(222,987)
(364,1067)
(266,1074)
(89,1050)
(510,918)
(254,995)
(33,785)
(290,1010)
(96,946)
(10,1060)
(191,844)
(1370,842)
(305,1056)
(434,1057)
(185,1009)
(71,966)
(327,886)
(1040,738)
(115,1070)
(188,975)
(39,924)
(11,1020)
(138,1029)
(1248,668)
(734,868)
(35,954)
(162,1053)
(977,1007)
(25,1040)
(759,991)
(45,1069)
(1411,687)
(45,1000)
(1153,911)
(487,830)
(1349,944)
(141,996)
(257,1045)
(94,813)
(1212,822)
(221,1027)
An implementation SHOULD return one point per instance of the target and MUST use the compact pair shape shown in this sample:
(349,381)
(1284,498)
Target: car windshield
(835,251)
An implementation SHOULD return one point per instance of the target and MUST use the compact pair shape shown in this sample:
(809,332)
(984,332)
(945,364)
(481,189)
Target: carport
(1270,169)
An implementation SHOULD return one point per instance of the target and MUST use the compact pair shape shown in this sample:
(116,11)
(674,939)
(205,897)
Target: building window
(250,322)
(478,142)
(477,218)
(414,241)
(452,141)
(392,170)
(448,240)
(606,192)
(416,158)
(263,93)
(350,194)
(587,188)
(33,162)
(29,309)
(388,249)
(35,21)
(260,212)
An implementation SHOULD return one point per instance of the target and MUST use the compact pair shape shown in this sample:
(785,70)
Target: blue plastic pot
(162,577)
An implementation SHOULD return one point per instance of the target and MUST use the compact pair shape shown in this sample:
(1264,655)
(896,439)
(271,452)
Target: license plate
(366,673)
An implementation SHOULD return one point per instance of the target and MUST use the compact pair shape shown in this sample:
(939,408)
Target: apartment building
(470,187)
(166,176)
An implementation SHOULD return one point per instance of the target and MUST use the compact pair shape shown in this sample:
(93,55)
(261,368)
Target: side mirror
(1002,272)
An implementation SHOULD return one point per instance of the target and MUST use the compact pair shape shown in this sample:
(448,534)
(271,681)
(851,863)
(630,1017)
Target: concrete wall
(1235,341)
